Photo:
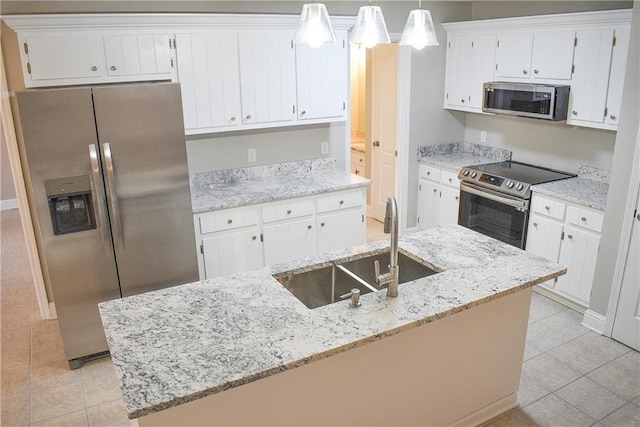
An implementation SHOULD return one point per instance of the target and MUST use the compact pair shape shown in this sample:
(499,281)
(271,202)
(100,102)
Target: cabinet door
(138,54)
(544,237)
(578,252)
(267,76)
(65,57)
(209,78)
(449,203)
(483,59)
(321,76)
(513,55)
(616,76)
(552,55)
(290,240)
(341,230)
(232,253)
(457,69)
(428,203)
(591,77)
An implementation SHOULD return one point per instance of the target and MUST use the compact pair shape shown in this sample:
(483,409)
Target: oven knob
(509,184)
(465,172)
(474,174)
(519,186)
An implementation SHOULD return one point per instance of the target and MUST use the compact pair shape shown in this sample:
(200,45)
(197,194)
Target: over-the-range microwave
(548,102)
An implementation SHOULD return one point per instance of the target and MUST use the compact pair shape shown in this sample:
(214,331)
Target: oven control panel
(494,182)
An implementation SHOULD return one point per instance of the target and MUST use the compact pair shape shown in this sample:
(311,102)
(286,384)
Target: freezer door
(143,149)
(56,130)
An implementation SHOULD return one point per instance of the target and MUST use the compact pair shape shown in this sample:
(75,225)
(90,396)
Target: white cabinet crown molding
(540,22)
(110,21)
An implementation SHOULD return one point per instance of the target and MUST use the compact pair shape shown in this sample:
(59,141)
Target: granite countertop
(589,188)
(459,154)
(211,191)
(183,343)
(358,146)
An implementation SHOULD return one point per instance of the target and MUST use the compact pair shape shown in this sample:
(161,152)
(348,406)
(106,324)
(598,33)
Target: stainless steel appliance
(108,189)
(548,102)
(494,198)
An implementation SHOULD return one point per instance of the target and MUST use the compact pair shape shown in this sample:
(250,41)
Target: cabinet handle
(570,236)
(248,116)
(303,112)
(229,221)
(289,212)
(574,112)
(233,119)
(254,238)
(612,117)
(308,227)
(584,218)
(535,224)
(357,172)
(534,71)
(94,68)
(341,202)
(322,224)
(548,208)
(113,68)
(525,72)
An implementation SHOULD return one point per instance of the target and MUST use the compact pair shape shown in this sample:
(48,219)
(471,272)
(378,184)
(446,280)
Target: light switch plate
(251,155)
(324,147)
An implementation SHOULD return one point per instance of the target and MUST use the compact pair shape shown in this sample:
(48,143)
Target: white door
(626,325)
(383,126)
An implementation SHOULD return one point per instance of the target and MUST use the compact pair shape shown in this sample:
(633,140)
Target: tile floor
(570,377)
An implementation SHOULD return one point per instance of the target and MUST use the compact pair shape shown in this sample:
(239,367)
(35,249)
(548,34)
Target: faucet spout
(391,227)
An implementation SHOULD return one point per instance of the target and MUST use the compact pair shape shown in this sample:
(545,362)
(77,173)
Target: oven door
(494,214)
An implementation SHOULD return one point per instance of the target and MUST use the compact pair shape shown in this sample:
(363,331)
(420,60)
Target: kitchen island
(243,350)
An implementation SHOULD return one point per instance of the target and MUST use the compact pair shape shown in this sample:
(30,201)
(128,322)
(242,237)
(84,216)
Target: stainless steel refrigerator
(108,188)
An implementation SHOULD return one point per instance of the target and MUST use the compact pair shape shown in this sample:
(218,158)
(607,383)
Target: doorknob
(376,143)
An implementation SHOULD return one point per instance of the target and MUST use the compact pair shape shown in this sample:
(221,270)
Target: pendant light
(315,27)
(370,28)
(419,30)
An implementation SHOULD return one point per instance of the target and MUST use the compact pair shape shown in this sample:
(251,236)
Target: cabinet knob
(435,190)
(457,198)
(428,173)
(462,100)
(574,112)
(113,68)
(376,143)
(584,218)
(229,221)
(289,212)
(357,172)
(322,224)
(534,71)
(303,112)
(308,227)
(233,119)
(254,238)
(94,68)
(570,236)
(248,116)
(525,72)
(341,202)
(612,117)
(535,224)
(547,208)
(450,180)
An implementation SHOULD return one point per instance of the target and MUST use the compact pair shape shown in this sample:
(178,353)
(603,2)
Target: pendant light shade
(370,28)
(315,27)
(419,30)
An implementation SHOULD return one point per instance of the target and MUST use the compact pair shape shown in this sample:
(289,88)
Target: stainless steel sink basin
(325,285)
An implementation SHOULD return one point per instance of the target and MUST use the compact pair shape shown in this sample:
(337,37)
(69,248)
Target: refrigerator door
(144,156)
(57,135)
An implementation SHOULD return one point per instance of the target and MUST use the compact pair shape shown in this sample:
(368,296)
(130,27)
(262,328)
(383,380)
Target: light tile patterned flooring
(570,375)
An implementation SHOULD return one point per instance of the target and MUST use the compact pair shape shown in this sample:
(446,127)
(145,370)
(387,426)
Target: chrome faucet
(390,226)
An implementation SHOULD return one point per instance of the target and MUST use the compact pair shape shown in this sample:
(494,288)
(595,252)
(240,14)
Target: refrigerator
(108,187)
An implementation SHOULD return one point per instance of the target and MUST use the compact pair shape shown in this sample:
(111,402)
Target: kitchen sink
(325,285)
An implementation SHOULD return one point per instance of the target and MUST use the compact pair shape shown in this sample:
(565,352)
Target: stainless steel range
(494,198)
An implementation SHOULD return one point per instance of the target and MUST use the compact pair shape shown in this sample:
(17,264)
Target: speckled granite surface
(459,154)
(589,188)
(180,344)
(231,188)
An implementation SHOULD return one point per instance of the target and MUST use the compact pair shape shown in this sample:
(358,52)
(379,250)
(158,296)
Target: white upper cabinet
(209,76)
(320,77)
(591,77)
(535,55)
(135,54)
(616,76)
(267,76)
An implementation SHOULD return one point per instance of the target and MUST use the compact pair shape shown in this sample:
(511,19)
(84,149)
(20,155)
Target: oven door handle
(493,195)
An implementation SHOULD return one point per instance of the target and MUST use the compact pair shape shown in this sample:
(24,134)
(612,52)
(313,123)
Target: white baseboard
(488,412)
(8,204)
(594,321)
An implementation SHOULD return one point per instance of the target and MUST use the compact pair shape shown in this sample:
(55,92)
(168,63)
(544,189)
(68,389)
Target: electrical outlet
(251,154)
(483,136)
(324,147)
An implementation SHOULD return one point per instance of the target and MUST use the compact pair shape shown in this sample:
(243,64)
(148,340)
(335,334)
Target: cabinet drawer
(336,202)
(430,172)
(227,220)
(357,157)
(449,178)
(584,218)
(286,210)
(548,207)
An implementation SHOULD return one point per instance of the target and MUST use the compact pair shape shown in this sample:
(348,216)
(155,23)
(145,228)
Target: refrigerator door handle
(113,196)
(98,197)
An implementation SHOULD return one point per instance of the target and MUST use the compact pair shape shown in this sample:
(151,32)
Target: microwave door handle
(113,195)
(98,197)
(487,194)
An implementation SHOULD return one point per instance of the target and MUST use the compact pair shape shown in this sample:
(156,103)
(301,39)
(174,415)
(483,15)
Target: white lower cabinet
(438,197)
(568,234)
(241,239)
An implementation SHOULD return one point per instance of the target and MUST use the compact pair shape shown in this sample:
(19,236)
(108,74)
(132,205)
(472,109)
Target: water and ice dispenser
(70,204)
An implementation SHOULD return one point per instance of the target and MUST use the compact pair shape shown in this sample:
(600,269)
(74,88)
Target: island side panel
(462,369)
